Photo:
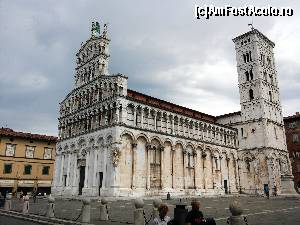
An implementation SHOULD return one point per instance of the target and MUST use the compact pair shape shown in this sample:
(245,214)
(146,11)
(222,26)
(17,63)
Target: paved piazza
(259,210)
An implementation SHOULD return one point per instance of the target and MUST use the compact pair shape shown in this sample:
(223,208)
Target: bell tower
(92,57)
(262,139)
(259,92)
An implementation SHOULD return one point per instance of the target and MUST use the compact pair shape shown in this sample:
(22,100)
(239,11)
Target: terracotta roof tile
(8,132)
(148,100)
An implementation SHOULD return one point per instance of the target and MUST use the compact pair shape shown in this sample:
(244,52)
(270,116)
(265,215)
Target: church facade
(118,142)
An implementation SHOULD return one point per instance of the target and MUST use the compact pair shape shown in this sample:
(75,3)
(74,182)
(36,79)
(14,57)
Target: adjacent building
(26,161)
(292,130)
(119,142)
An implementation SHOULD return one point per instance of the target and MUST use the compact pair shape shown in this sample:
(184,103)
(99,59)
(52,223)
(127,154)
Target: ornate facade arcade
(118,142)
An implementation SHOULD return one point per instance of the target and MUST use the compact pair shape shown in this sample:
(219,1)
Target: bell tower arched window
(251,74)
(251,95)
(247,75)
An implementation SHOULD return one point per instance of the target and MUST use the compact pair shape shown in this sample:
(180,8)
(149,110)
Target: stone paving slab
(259,210)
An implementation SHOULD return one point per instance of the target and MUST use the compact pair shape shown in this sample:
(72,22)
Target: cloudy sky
(159,45)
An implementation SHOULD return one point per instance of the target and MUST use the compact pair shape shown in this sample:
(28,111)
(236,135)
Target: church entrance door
(100,182)
(225,186)
(81,179)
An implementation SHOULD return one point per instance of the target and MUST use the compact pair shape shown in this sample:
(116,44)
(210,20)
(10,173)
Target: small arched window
(247,57)
(265,76)
(251,74)
(270,96)
(251,95)
(271,79)
(247,75)
(244,56)
(250,57)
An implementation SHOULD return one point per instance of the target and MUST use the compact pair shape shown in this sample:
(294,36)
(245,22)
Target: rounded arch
(155,139)
(73,146)
(59,148)
(126,132)
(109,139)
(199,146)
(178,142)
(189,144)
(91,141)
(100,140)
(248,156)
(167,140)
(81,142)
(142,138)
(216,152)
(66,147)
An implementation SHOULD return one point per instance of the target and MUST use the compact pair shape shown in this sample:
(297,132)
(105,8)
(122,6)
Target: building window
(27,169)
(295,138)
(293,125)
(10,150)
(47,153)
(7,168)
(45,170)
(298,167)
(251,95)
(29,152)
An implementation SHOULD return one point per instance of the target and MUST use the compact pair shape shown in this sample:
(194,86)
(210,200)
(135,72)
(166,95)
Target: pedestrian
(168,196)
(267,191)
(21,195)
(195,216)
(162,218)
(34,196)
(275,191)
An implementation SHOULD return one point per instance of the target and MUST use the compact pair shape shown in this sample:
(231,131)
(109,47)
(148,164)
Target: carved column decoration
(115,156)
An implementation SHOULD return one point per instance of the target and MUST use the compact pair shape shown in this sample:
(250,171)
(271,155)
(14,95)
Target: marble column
(94,175)
(204,163)
(56,171)
(162,167)
(61,170)
(134,159)
(142,118)
(184,168)
(173,126)
(155,121)
(213,171)
(173,168)
(134,117)
(75,170)
(198,171)
(68,169)
(148,149)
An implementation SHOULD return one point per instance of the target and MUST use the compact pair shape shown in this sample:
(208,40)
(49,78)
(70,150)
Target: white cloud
(158,45)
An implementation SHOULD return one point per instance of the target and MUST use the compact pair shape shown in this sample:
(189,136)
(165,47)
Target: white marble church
(118,142)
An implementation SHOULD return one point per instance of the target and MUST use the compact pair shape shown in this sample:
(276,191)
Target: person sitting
(195,216)
(162,218)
